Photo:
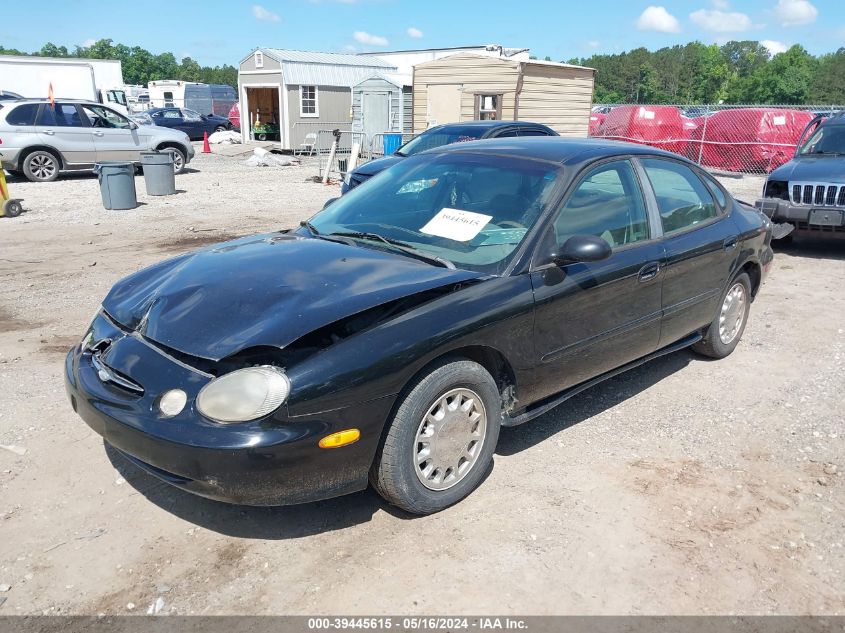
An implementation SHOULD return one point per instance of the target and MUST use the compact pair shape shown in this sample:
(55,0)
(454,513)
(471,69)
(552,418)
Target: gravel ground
(681,487)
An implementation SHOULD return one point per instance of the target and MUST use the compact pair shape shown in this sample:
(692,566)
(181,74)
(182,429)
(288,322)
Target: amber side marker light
(341,438)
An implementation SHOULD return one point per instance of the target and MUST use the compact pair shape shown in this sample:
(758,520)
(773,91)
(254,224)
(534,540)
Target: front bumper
(804,217)
(273,461)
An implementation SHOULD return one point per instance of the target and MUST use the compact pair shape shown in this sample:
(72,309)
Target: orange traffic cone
(206,148)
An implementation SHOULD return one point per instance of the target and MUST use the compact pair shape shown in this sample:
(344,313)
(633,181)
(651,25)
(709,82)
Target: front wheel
(727,327)
(178,159)
(220,128)
(439,444)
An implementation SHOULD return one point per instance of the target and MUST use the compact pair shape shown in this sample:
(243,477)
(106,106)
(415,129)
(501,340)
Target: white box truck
(72,78)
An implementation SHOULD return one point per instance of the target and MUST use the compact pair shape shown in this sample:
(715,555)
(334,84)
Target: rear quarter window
(23,114)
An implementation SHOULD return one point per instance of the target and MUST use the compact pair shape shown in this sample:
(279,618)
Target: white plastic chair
(309,143)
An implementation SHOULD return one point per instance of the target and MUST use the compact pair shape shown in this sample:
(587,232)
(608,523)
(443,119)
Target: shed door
(375,108)
(444,104)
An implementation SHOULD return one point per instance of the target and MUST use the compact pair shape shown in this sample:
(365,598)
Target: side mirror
(133,125)
(582,248)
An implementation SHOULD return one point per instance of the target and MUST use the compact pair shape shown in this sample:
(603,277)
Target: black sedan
(192,123)
(389,338)
(441,135)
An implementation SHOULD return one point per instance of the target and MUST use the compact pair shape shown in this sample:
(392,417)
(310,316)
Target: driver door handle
(731,243)
(98,133)
(49,132)
(649,271)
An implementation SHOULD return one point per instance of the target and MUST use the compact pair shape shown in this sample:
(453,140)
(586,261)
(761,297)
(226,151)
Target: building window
(259,59)
(488,107)
(308,106)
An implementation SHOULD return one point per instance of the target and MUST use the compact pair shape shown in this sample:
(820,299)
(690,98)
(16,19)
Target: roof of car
(488,124)
(46,100)
(554,149)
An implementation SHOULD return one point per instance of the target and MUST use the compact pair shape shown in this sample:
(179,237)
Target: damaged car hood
(264,290)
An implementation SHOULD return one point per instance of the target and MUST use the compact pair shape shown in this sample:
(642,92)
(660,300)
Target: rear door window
(23,114)
(682,199)
(533,131)
(61,115)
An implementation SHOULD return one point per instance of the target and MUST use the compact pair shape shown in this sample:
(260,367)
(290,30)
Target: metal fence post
(703,134)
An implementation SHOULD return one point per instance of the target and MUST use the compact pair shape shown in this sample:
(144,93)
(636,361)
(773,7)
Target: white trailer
(72,78)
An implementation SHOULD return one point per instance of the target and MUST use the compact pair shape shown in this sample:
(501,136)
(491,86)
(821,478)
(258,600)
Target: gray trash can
(158,173)
(117,184)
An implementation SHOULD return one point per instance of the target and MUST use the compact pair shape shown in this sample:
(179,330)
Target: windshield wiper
(311,228)
(397,245)
(328,237)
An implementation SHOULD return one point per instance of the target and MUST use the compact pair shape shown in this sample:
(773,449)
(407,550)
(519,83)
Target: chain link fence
(730,138)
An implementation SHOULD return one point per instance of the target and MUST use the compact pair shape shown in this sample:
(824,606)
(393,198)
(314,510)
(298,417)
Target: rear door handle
(49,132)
(98,133)
(649,271)
(731,243)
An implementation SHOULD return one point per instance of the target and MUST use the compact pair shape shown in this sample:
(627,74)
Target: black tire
(394,472)
(220,128)
(41,166)
(713,345)
(12,208)
(262,137)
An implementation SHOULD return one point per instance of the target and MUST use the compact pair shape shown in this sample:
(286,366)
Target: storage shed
(301,92)
(467,87)
(381,104)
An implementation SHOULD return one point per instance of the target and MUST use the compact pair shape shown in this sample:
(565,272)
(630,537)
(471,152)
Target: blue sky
(224,32)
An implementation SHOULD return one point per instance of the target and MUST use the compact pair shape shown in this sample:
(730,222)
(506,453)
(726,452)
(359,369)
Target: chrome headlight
(244,395)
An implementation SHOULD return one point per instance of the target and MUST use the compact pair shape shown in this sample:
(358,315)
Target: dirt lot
(684,486)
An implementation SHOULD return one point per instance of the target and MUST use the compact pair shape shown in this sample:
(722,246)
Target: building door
(375,110)
(444,104)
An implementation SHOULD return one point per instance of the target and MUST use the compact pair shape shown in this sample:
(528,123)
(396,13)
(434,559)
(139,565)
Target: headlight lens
(244,395)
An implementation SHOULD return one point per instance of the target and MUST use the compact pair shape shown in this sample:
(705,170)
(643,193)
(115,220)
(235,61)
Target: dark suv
(809,191)
(445,135)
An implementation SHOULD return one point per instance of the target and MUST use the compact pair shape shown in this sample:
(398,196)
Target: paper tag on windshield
(457,225)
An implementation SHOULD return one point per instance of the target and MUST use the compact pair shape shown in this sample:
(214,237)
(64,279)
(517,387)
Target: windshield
(438,137)
(472,210)
(828,139)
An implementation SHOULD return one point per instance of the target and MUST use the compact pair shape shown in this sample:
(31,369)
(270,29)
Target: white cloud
(593,44)
(88,43)
(721,4)
(367,38)
(658,19)
(795,12)
(265,15)
(721,21)
(414,32)
(774,46)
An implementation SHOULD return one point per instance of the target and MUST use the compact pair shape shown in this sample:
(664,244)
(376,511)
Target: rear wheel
(727,327)
(41,166)
(440,442)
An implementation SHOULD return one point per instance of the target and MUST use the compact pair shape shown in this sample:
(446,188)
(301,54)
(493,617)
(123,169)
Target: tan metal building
(467,87)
